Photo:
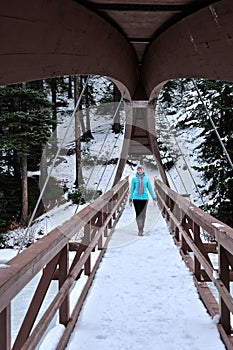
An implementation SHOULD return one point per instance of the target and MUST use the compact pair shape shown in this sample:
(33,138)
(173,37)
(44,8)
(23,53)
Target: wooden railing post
(225,278)
(197,265)
(100,241)
(171,223)
(64,311)
(5,326)
(87,239)
(87,234)
(109,210)
(104,217)
(184,245)
(176,213)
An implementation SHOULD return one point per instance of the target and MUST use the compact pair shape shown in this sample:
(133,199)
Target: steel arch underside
(45,38)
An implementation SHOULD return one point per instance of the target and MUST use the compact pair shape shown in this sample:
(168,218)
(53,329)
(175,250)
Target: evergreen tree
(25,123)
(217,172)
(214,166)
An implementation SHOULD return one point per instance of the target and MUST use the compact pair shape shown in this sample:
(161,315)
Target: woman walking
(139,188)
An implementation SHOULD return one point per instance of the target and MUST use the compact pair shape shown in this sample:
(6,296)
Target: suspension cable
(105,139)
(195,184)
(172,180)
(178,173)
(52,166)
(110,155)
(99,152)
(213,124)
(110,177)
(188,168)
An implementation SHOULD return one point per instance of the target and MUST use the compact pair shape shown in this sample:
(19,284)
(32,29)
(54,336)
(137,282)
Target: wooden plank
(26,265)
(217,229)
(36,303)
(56,303)
(5,326)
(227,339)
(224,235)
(224,275)
(64,310)
(66,335)
(227,298)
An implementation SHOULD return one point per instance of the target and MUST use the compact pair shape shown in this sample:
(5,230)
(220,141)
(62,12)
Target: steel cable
(52,167)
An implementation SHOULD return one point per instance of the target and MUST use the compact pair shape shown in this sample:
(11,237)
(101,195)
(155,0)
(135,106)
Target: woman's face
(140,171)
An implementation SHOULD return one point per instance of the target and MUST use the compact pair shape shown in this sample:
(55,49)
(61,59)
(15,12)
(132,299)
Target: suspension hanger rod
(212,123)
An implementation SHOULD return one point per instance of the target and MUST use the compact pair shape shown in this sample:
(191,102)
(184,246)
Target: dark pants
(140,206)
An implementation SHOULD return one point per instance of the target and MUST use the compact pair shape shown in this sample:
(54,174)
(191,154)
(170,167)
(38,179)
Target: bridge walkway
(143,296)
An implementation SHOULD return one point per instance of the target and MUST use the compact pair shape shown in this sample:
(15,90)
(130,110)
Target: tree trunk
(79,175)
(35,85)
(81,119)
(43,167)
(16,164)
(24,213)
(116,122)
(54,100)
(54,113)
(70,94)
(88,134)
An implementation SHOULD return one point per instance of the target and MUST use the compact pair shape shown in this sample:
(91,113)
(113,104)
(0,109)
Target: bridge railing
(200,236)
(58,257)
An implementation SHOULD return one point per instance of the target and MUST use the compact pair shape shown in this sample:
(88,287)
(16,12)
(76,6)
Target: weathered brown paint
(5,326)
(36,303)
(45,38)
(200,46)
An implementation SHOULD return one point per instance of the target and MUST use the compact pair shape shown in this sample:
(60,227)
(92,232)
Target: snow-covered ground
(143,296)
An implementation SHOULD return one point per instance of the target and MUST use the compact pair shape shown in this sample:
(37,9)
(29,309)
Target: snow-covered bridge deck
(143,296)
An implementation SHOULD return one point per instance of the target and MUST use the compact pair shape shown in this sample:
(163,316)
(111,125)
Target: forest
(29,116)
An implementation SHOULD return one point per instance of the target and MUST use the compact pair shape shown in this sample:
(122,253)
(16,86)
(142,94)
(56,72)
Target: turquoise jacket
(133,194)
